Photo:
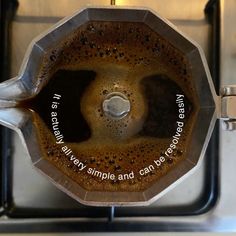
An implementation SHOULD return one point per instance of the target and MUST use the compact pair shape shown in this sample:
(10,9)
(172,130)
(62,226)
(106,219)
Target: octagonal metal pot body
(25,86)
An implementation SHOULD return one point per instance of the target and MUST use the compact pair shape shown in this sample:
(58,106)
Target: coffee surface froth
(98,59)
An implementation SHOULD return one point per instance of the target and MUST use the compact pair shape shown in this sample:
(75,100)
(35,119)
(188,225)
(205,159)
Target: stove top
(30,203)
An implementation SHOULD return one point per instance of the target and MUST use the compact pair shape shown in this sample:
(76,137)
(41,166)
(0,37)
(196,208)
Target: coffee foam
(132,45)
(119,158)
(121,54)
(109,80)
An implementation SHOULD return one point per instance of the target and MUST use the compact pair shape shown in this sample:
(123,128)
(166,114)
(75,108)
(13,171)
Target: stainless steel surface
(116,106)
(229,90)
(26,86)
(7,97)
(228,107)
(229,125)
(228,104)
(32,21)
(189,17)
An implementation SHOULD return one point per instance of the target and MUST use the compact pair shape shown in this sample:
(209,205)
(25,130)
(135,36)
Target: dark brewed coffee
(95,150)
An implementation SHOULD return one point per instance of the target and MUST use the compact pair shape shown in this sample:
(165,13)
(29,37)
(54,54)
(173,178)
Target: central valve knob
(116,105)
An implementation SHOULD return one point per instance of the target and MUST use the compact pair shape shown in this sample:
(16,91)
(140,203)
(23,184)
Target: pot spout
(11,92)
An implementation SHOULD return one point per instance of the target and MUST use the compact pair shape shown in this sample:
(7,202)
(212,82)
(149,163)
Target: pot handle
(228,107)
(11,92)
